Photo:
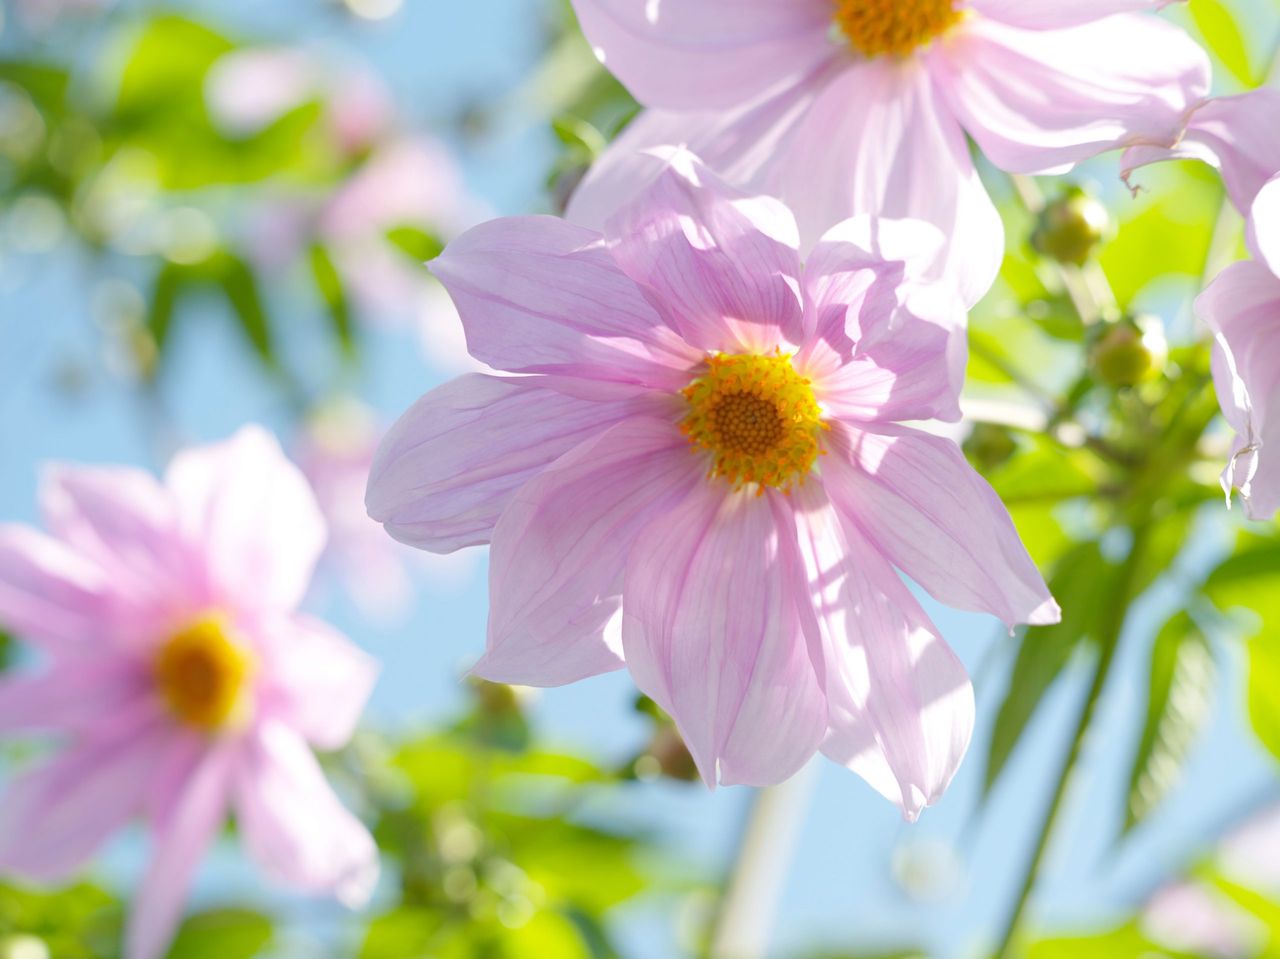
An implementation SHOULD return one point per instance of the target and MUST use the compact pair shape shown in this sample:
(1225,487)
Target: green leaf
(405,931)
(415,242)
(1249,580)
(1127,942)
(222,934)
(1223,36)
(1180,690)
(1264,681)
(233,278)
(1077,582)
(329,285)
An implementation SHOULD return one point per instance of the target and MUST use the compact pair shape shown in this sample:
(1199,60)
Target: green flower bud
(1129,352)
(1071,227)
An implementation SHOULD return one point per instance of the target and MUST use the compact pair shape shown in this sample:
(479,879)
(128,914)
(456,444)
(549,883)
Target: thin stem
(750,903)
(1109,640)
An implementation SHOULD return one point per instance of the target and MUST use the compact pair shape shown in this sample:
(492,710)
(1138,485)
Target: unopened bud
(989,446)
(1129,352)
(1071,227)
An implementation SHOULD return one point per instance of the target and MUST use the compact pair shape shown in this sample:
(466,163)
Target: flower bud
(1129,352)
(1071,227)
(989,446)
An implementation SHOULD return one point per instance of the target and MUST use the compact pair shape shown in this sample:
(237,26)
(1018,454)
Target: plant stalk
(1109,641)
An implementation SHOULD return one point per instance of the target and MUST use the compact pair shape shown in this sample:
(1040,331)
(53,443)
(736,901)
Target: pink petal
(1242,308)
(887,342)
(319,680)
(872,138)
(1225,132)
(1266,224)
(252,515)
(123,520)
(182,837)
(901,705)
(712,633)
(54,819)
(538,295)
(560,548)
(1052,14)
(293,824)
(71,696)
(1040,100)
(50,594)
(927,511)
(448,467)
(722,268)
(704,54)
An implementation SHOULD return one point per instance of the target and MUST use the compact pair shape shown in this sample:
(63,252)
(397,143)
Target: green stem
(1109,641)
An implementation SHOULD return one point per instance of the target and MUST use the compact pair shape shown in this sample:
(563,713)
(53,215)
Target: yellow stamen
(897,27)
(757,417)
(202,673)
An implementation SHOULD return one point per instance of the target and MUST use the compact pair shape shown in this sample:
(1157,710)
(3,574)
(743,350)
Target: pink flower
(248,90)
(181,678)
(1195,918)
(700,474)
(861,106)
(1241,307)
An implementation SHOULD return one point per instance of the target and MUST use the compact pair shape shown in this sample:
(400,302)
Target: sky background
(859,876)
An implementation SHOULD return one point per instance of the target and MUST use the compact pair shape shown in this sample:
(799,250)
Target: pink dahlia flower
(180,677)
(700,474)
(1239,136)
(861,106)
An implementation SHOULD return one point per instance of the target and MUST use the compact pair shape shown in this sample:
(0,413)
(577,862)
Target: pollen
(758,419)
(203,674)
(895,27)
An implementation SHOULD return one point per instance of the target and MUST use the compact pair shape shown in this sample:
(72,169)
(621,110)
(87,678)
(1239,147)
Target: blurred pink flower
(1193,918)
(861,106)
(335,452)
(43,14)
(181,677)
(1241,307)
(248,90)
(411,182)
(700,472)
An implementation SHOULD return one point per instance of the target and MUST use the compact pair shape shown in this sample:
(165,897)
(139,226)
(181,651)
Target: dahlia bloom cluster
(842,107)
(179,678)
(699,473)
(1239,136)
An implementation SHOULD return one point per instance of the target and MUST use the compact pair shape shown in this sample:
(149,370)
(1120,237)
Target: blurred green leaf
(226,273)
(330,286)
(78,922)
(1127,942)
(1044,652)
(222,934)
(1264,682)
(1223,36)
(1249,580)
(46,84)
(405,931)
(1180,689)
(415,242)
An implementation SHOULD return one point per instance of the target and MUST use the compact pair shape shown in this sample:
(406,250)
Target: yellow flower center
(202,674)
(897,27)
(757,417)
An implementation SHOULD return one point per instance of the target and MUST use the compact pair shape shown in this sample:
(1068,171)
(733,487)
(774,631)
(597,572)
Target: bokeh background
(215,213)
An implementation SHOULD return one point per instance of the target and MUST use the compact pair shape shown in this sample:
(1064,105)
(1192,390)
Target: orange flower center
(203,673)
(896,27)
(757,417)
